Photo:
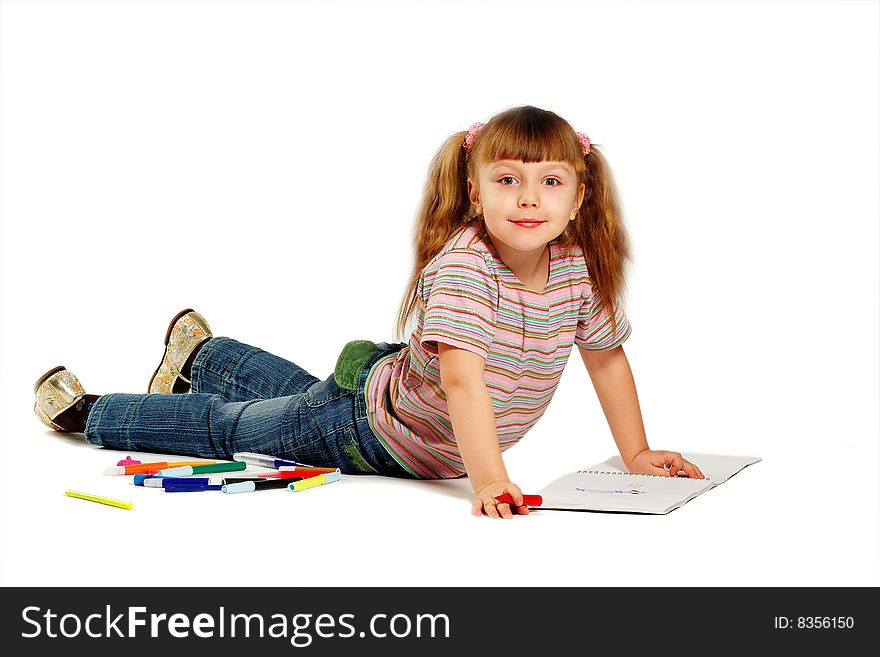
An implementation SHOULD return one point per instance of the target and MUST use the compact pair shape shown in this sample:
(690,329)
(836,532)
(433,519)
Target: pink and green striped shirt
(470,299)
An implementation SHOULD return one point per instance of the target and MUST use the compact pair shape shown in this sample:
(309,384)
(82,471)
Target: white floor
(764,526)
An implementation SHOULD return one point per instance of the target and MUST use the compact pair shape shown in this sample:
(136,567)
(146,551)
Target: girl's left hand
(653,461)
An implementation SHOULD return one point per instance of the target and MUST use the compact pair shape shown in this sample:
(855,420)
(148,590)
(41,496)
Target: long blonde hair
(528,134)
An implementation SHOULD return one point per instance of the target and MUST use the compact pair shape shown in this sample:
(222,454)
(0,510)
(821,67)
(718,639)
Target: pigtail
(444,210)
(599,231)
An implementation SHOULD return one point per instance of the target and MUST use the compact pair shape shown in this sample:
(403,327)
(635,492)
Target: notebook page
(717,467)
(611,491)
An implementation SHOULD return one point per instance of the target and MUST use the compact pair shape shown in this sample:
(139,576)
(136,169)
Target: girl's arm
(473,422)
(613,380)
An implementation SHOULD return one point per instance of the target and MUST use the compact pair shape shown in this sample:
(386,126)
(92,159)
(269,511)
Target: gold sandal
(57,391)
(187,330)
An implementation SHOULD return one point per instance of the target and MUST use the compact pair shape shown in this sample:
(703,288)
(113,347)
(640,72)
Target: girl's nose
(528,198)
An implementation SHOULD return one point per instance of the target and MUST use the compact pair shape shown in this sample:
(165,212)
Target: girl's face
(511,190)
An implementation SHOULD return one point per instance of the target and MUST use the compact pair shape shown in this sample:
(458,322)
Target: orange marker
(306,468)
(147,468)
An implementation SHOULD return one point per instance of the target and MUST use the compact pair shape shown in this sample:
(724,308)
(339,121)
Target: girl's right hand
(485,501)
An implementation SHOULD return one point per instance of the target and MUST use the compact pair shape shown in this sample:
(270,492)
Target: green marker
(188,470)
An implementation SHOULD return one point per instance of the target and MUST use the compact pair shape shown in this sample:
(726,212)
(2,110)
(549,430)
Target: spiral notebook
(609,487)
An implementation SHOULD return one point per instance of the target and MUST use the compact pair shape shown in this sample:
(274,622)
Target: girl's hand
(653,461)
(485,501)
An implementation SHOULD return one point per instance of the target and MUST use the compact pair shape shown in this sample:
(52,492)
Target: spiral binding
(631,474)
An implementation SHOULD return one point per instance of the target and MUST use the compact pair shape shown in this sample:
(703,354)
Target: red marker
(528,500)
(292,474)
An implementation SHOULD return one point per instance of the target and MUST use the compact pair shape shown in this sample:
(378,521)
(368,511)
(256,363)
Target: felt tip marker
(138,468)
(528,500)
(307,468)
(109,501)
(189,470)
(147,468)
(141,479)
(251,486)
(264,460)
(238,480)
(170,482)
(292,474)
(312,482)
(190,489)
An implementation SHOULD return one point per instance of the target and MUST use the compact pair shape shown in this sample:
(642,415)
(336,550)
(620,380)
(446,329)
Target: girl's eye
(511,178)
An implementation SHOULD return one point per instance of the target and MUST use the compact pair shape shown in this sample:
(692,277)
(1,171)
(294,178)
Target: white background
(263,162)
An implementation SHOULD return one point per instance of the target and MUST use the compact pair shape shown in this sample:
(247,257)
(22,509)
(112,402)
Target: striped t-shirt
(470,299)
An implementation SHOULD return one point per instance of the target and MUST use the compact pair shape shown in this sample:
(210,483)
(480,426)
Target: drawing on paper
(633,489)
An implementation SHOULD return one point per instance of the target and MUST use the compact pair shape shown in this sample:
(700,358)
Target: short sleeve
(595,331)
(460,297)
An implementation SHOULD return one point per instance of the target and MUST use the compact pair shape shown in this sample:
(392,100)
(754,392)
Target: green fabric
(351,361)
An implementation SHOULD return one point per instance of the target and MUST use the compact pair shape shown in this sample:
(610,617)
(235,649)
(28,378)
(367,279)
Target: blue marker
(191,489)
(141,479)
(177,482)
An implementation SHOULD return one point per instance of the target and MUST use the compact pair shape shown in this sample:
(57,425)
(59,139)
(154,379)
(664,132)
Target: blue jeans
(245,399)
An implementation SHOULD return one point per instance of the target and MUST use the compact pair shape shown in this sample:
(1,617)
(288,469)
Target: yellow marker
(311,482)
(100,500)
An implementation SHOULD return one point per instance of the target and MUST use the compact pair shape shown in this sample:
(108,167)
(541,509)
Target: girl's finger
(514,492)
(675,463)
(490,509)
(503,510)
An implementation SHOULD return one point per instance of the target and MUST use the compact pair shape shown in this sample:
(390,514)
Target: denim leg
(196,424)
(240,372)
(321,426)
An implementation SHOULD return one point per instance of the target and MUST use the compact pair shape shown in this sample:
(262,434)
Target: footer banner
(331,620)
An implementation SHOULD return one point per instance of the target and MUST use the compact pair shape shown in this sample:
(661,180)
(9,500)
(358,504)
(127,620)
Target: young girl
(519,254)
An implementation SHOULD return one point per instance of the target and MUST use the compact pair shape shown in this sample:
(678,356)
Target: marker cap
(180,471)
(312,482)
(239,487)
(252,458)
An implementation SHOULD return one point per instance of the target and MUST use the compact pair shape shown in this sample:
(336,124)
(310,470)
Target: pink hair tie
(474,130)
(585,142)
